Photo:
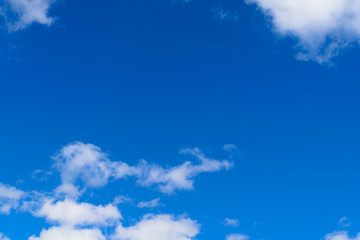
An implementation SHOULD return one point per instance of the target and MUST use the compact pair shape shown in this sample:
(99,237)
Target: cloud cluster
(323,27)
(80,163)
(19,14)
(82,221)
(82,166)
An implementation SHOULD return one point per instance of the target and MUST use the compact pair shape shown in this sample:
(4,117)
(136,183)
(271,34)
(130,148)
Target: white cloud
(231,222)
(180,177)
(9,198)
(121,199)
(149,204)
(344,222)
(19,14)
(69,190)
(3,237)
(159,227)
(83,161)
(70,213)
(341,236)
(61,233)
(83,166)
(322,27)
(87,163)
(236,236)
(41,175)
(229,147)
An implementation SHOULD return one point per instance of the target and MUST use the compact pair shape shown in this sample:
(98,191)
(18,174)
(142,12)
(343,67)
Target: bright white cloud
(86,162)
(159,227)
(61,233)
(341,236)
(149,204)
(322,27)
(236,236)
(9,198)
(19,14)
(70,213)
(83,161)
(231,222)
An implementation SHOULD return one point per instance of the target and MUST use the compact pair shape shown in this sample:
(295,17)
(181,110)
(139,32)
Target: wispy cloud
(237,236)
(229,147)
(149,204)
(344,222)
(180,177)
(231,222)
(121,199)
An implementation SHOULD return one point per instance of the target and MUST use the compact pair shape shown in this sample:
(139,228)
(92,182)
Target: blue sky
(172,120)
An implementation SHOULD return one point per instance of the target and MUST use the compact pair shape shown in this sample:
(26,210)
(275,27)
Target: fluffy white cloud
(83,161)
(322,27)
(19,14)
(70,213)
(61,233)
(159,227)
(86,162)
(231,222)
(341,236)
(237,236)
(9,198)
